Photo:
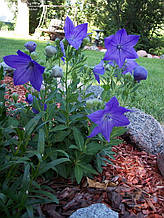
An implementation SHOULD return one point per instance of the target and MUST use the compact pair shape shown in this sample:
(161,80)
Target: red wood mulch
(132,186)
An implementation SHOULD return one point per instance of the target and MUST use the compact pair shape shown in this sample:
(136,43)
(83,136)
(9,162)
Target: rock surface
(160,163)
(95,211)
(96,90)
(142,53)
(162,56)
(145,132)
(149,56)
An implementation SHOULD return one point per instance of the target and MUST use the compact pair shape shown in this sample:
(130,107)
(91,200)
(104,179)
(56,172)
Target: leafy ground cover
(149,97)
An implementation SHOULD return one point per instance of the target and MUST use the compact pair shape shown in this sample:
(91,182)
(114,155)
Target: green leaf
(1,73)
(115,142)
(41,141)
(76,117)
(45,167)
(63,152)
(32,123)
(59,127)
(13,123)
(47,194)
(3,197)
(93,148)
(78,173)
(78,138)
(118,131)
(26,176)
(88,168)
(60,136)
(73,147)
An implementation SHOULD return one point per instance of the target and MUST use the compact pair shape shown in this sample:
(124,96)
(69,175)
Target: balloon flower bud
(140,73)
(31,46)
(34,55)
(57,71)
(50,51)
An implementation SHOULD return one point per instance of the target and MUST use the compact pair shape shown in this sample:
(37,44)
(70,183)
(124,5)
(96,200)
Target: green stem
(66,88)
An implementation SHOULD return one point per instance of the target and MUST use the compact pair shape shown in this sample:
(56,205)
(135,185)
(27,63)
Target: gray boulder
(96,90)
(145,132)
(95,211)
(162,56)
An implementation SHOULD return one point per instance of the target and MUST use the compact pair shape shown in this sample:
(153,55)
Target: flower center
(107,117)
(30,65)
(119,46)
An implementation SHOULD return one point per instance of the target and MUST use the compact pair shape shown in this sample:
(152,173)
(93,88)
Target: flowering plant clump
(59,131)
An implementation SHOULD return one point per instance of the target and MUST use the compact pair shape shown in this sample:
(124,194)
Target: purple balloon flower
(129,66)
(30,100)
(140,73)
(99,70)
(26,69)
(120,46)
(75,35)
(31,46)
(111,116)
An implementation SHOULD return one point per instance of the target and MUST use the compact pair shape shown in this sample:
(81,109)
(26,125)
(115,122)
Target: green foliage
(6,26)
(133,15)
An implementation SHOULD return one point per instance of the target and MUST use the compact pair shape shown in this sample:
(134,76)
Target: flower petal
(99,68)
(80,31)
(94,132)
(96,116)
(75,43)
(22,54)
(97,77)
(131,40)
(111,105)
(29,99)
(106,129)
(15,61)
(129,53)
(68,27)
(107,41)
(22,75)
(120,120)
(129,66)
(36,77)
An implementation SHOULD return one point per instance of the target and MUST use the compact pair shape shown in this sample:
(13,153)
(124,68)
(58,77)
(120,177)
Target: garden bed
(131,186)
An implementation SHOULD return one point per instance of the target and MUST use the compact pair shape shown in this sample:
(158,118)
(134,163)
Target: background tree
(144,17)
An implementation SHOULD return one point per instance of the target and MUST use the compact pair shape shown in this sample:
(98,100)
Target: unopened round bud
(50,51)
(34,55)
(57,71)
(140,73)
(31,46)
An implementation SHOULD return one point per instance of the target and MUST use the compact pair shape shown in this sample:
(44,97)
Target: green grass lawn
(149,97)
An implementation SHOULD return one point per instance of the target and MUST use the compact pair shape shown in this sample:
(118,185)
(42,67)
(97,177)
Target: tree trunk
(22,22)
